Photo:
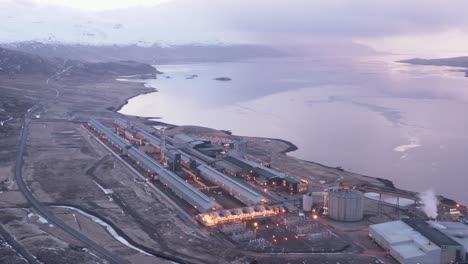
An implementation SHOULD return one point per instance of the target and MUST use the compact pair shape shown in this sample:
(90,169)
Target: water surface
(369,115)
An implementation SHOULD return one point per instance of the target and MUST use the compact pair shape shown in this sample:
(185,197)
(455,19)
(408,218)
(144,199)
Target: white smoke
(430,202)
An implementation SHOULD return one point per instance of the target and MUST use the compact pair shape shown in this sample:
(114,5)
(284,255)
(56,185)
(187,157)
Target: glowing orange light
(315,216)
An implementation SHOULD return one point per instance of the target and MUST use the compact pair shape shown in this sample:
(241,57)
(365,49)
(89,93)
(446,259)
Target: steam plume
(430,202)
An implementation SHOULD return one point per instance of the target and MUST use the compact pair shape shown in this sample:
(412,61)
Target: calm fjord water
(369,115)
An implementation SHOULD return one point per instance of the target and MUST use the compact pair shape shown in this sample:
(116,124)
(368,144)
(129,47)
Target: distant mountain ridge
(452,62)
(152,54)
(14,62)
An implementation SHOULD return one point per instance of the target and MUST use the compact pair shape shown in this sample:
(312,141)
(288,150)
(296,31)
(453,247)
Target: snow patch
(414,143)
(104,190)
(40,219)
(108,228)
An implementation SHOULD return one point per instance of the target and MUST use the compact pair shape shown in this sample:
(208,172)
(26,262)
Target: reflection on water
(371,115)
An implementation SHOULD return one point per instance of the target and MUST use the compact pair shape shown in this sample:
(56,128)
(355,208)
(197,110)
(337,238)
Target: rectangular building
(416,241)
(234,188)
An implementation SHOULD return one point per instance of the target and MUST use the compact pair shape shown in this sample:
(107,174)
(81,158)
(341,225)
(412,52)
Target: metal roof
(239,163)
(182,188)
(400,238)
(430,232)
(456,230)
(267,174)
(121,122)
(109,134)
(248,195)
(168,177)
(191,142)
(152,139)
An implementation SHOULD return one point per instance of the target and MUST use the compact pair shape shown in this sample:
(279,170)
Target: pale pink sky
(429,26)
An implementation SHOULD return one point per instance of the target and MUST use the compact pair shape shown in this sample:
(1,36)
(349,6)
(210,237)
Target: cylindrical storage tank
(345,205)
(307,201)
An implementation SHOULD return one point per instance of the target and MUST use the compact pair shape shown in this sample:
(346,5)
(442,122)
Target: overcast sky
(396,25)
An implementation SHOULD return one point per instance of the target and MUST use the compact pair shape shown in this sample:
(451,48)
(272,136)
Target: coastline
(142,85)
(344,176)
(290,147)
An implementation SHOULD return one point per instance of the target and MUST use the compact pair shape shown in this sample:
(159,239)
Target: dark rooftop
(239,163)
(431,233)
(267,174)
(291,180)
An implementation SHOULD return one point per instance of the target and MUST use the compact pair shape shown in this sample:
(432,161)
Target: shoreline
(142,84)
(291,147)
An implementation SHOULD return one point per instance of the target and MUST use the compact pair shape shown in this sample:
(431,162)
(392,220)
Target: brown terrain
(75,178)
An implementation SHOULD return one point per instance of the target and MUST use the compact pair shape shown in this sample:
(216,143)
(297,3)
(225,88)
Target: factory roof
(291,180)
(165,175)
(430,232)
(121,122)
(189,141)
(241,163)
(210,148)
(175,181)
(409,249)
(249,194)
(112,136)
(455,230)
(266,173)
(226,165)
(152,139)
(403,239)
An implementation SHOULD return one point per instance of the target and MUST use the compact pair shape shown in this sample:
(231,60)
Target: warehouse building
(265,176)
(122,123)
(112,137)
(245,169)
(202,146)
(152,140)
(234,188)
(228,168)
(417,241)
(181,188)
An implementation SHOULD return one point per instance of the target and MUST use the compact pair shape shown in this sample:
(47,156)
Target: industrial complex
(263,209)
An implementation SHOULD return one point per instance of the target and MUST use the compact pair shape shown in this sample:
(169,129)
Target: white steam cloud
(430,202)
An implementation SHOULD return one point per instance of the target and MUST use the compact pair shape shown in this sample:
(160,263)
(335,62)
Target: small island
(192,76)
(223,79)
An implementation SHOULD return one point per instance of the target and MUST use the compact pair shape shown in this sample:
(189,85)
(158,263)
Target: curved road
(42,209)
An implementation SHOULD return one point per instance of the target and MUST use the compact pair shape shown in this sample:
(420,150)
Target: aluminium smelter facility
(181,188)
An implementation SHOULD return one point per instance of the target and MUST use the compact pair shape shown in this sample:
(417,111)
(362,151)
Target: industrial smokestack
(430,202)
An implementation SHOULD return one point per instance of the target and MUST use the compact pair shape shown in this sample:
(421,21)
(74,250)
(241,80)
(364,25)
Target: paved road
(41,209)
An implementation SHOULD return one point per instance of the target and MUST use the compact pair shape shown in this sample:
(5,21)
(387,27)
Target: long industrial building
(181,188)
(261,174)
(156,142)
(236,189)
(418,241)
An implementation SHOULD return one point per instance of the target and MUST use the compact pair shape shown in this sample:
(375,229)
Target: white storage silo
(307,202)
(345,205)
